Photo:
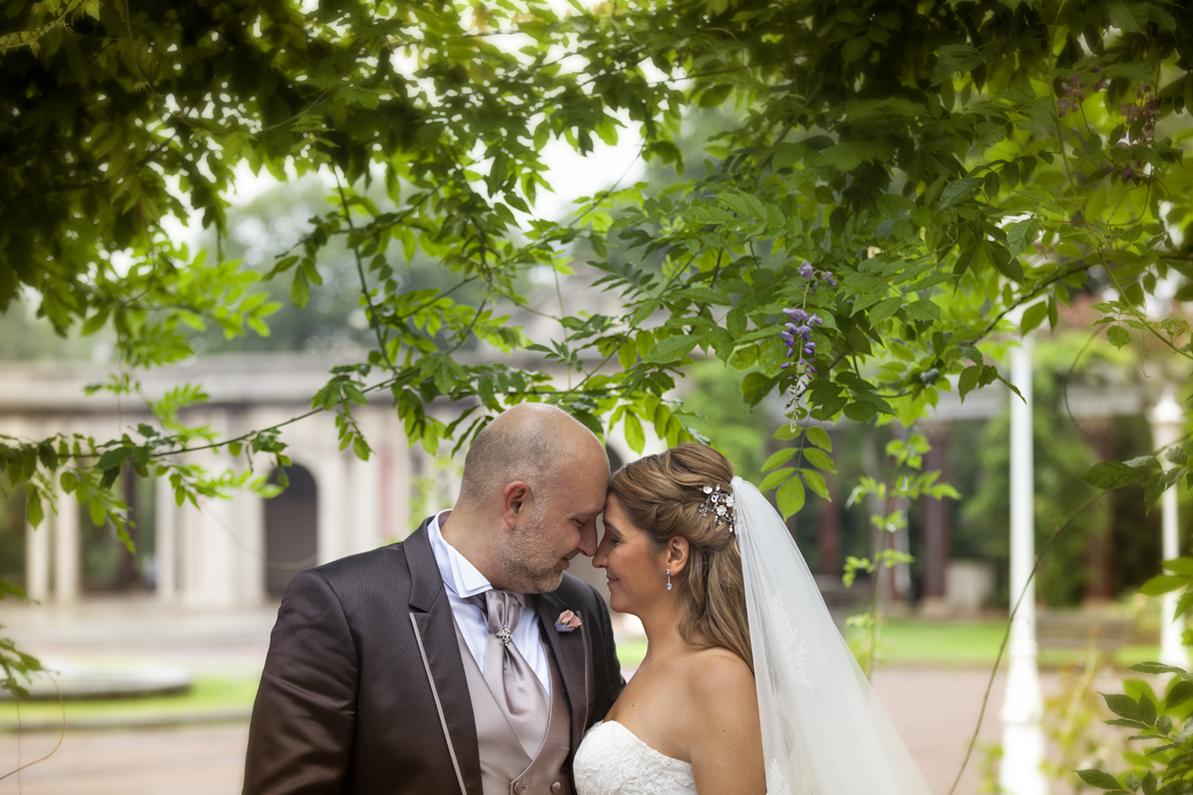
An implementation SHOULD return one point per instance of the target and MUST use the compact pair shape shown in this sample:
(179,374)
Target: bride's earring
(668,579)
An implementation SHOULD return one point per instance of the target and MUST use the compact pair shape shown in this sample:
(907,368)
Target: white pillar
(1022,737)
(37,560)
(67,557)
(249,510)
(1167,423)
(165,524)
(331,500)
(364,479)
(211,551)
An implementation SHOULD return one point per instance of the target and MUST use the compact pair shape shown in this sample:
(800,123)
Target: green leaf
(816,483)
(95,322)
(34,513)
(862,411)
(1022,234)
(1179,565)
(1110,475)
(707,296)
(785,432)
(1156,668)
(957,190)
(924,310)
(790,497)
(1183,605)
(968,381)
(1162,584)
(634,435)
(1096,778)
(1181,692)
(1128,17)
(819,437)
(819,459)
(671,349)
(1033,316)
(300,290)
(854,49)
(779,457)
(99,514)
(1118,336)
(1123,705)
(884,309)
(775,478)
(1177,455)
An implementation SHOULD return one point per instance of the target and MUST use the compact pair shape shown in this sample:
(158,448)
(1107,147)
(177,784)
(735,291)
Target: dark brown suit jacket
(364,689)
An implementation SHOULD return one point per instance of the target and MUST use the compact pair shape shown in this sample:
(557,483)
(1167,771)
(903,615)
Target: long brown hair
(662,495)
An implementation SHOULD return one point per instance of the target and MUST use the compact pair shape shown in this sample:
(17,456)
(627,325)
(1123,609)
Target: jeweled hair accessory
(718,503)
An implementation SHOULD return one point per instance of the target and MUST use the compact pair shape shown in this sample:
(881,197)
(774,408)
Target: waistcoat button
(556,787)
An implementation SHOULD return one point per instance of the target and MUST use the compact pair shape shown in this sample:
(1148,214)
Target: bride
(746,687)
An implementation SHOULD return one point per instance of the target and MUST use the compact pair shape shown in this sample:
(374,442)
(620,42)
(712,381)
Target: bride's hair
(662,495)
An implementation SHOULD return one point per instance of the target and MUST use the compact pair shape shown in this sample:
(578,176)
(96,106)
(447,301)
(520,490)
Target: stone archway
(291,530)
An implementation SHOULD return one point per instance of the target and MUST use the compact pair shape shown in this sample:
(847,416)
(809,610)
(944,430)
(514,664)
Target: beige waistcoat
(506,768)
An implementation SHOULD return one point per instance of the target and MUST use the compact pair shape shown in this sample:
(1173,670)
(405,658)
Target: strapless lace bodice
(611,760)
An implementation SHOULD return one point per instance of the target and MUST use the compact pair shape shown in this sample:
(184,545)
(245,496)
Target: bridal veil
(824,731)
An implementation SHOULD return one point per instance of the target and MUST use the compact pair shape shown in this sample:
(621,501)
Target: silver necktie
(510,678)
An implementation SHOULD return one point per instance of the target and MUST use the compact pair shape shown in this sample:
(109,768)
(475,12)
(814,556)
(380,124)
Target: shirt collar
(459,576)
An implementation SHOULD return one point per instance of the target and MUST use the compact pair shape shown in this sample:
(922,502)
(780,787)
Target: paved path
(203,760)
(933,709)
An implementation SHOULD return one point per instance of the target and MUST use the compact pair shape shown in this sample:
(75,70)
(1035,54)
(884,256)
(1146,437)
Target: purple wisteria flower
(796,336)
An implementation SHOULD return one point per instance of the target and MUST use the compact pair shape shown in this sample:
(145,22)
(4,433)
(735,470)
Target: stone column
(248,511)
(363,526)
(1022,737)
(37,559)
(1167,422)
(212,556)
(67,571)
(166,542)
(332,524)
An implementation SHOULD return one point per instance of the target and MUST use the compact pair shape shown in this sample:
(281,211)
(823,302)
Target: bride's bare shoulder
(724,736)
(718,677)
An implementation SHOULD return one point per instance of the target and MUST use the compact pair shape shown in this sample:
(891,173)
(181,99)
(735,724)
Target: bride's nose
(601,559)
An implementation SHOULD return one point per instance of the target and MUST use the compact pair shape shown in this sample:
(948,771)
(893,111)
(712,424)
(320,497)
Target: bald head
(530,442)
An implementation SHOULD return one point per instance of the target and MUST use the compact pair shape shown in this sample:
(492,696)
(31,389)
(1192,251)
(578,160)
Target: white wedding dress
(611,760)
(824,732)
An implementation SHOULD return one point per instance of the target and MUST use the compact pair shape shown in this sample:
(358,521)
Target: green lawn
(949,643)
(913,641)
(208,696)
(904,641)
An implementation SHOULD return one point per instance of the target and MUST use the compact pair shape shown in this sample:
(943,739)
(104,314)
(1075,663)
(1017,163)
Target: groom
(449,663)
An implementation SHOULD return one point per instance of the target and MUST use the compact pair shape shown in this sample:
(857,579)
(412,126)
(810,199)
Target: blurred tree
(907,173)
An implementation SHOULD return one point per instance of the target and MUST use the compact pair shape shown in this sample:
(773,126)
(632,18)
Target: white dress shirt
(461,580)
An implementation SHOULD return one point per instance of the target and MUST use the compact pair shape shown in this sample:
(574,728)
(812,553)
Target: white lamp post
(1167,423)
(1022,735)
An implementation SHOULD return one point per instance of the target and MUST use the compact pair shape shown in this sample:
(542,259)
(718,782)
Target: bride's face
(634,566)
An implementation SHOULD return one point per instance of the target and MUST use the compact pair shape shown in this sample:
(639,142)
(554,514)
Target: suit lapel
(571,655)
(431,615)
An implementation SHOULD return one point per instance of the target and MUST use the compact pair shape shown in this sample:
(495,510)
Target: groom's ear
(677,554)
(516,500)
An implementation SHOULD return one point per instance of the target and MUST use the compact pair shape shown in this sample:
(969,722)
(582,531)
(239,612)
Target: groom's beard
(528,562)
